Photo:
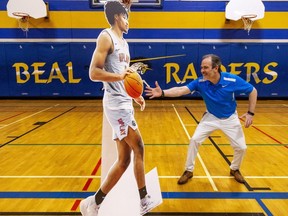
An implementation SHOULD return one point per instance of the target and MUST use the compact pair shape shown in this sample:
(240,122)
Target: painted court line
(11,117)
(266,134)
(29,116)
(198,155)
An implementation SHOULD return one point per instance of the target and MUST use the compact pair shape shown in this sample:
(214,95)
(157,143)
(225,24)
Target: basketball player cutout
(110,64)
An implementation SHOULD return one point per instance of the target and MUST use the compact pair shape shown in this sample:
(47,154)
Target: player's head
(112,8)
(215,60)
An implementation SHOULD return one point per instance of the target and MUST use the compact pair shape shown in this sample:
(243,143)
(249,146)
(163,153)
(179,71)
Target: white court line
(161,177)
(198,155)
(29,116)
(285,105)
(256,125)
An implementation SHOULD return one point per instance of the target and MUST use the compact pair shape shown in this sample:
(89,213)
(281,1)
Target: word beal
(23,75)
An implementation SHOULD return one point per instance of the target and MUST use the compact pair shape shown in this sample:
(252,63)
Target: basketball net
(247,20)
(23,21)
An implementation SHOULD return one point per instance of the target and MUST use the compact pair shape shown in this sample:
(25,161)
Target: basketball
(133,85)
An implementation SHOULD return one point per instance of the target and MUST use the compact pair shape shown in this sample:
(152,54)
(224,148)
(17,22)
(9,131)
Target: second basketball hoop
(23,20)
(247,10)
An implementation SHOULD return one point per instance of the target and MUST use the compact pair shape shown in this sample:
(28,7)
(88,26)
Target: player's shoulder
(105,34)
(104,38)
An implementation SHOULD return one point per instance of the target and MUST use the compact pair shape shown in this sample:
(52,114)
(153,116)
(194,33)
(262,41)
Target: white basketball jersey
(115,96)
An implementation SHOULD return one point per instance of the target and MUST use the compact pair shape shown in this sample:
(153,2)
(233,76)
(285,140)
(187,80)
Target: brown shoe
(237,175)
(185,177)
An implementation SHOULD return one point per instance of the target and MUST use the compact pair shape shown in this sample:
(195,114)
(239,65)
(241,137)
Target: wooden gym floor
(50,156)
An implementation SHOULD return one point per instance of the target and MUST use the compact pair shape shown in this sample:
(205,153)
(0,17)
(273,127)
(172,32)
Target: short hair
(112,8)
(216,61)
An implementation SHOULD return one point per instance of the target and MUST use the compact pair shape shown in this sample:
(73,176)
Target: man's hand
(140,100)
(153,92)
(248,119)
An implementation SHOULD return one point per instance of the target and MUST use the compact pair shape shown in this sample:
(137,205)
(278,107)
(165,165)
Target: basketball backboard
(235,9)
(31,8)
(247,10)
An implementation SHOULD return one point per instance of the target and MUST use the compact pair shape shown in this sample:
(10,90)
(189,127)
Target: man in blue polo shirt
(218,91)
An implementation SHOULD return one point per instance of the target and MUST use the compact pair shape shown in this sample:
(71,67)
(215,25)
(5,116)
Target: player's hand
(125,73)
(131,70)
(248,119)
(140,100)
(153,92)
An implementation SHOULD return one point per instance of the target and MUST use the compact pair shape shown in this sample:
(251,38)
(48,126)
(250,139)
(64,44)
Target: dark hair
(216,61)
(112,8)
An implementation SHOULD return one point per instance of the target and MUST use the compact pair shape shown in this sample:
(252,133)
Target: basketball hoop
(248,21)
(23,21)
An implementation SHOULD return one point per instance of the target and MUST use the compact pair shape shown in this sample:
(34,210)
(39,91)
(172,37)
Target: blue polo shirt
(220,98)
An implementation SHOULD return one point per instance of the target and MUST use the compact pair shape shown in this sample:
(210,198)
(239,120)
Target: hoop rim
(249,16)
(21,14)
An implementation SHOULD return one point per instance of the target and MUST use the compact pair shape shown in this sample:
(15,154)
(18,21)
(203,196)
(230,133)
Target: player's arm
(172,92)
(103,48)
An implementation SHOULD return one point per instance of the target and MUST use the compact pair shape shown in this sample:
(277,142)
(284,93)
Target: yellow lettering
(190,70)
(233,67)
(70,73)
(38,72)
(169,67)
(223,68)
(58,75)
(271,73)
(25,72)
(249,67)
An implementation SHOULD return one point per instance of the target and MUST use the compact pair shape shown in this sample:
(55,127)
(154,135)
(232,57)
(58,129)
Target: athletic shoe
(146,204)
(88,206)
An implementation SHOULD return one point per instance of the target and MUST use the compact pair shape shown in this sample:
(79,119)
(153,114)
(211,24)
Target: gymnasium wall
(53,58)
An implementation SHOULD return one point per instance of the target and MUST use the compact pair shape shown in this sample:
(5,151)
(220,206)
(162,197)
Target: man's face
(123,23)
(207,71)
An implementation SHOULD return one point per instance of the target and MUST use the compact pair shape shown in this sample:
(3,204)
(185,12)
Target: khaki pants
(231,127)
